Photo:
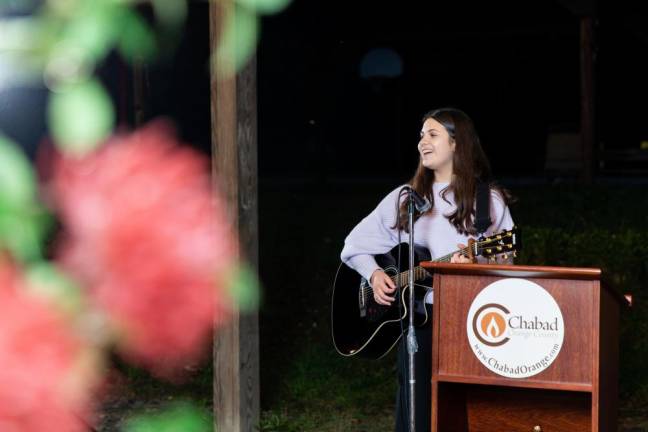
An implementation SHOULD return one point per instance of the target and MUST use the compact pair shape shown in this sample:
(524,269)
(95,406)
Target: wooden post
(587,98)
(234,160)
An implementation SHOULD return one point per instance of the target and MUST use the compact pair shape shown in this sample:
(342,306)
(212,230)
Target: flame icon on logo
(493,325)
(490,328)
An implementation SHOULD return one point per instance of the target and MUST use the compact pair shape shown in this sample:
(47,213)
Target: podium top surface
(522,271)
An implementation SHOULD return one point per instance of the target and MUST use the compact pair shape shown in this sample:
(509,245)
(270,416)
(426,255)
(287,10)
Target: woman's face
(436,147)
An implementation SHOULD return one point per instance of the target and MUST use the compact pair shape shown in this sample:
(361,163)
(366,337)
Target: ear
(453,144)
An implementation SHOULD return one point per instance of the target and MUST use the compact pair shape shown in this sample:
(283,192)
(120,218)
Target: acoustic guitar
(361,326)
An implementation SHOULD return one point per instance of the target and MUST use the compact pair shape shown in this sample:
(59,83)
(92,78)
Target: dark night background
(514,67)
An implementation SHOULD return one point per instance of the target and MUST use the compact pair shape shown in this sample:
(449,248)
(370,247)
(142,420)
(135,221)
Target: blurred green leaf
(244,288)
(237,41)
(21,234)
(93,28)
(182,417)
(47,281)
(23,222)
(137,41)
(19,33)
(24,47)
(170,13)
(80,116)
(17,180)
(265,6)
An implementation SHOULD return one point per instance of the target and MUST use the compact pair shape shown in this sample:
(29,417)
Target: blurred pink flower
(151,241)
(44,380)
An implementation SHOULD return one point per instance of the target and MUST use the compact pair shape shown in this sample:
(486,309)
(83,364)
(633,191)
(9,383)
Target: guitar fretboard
(402,279)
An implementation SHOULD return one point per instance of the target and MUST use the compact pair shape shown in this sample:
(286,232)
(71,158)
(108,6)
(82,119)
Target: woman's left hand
(460,258)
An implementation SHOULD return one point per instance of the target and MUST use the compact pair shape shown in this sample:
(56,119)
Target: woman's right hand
(382,286)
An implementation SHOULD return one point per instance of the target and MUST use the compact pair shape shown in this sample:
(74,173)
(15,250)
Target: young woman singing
(452,163)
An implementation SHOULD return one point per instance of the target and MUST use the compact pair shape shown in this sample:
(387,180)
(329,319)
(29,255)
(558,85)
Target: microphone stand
(412,346)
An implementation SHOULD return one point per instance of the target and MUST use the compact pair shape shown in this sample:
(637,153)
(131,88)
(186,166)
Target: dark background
(514,67)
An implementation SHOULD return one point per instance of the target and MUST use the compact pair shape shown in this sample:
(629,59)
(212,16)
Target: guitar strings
(445,258)
(404,275)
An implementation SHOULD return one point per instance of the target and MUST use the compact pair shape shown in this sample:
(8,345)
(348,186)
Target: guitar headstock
(505,243)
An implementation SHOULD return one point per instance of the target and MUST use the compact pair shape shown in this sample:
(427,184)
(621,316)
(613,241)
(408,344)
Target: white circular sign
(515,328)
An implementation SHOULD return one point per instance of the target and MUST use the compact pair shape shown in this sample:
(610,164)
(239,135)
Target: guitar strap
(482,217)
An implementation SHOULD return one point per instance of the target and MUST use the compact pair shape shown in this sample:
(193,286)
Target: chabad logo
(489,324)
(515,328)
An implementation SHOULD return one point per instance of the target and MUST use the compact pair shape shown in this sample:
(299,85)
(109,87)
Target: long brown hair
(470,167)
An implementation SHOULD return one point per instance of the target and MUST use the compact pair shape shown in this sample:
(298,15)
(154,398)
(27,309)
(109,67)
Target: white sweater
(374,234)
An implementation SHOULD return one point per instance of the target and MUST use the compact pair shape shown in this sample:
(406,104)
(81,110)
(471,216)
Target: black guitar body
(362,327)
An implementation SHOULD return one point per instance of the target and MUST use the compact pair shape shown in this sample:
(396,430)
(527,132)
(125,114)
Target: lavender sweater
(374,235)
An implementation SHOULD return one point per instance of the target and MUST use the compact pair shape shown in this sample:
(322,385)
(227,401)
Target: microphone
(422,204)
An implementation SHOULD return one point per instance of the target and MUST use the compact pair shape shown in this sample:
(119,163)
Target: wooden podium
(576,392)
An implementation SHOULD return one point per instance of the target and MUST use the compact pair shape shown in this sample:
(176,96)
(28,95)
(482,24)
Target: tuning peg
(514,254)
(505,256)
(493,259)
(499,248)
(489,250)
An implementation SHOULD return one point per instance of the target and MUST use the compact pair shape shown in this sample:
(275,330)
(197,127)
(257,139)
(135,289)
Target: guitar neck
(420,273)
(502,243)
(447,258)
(402,278)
